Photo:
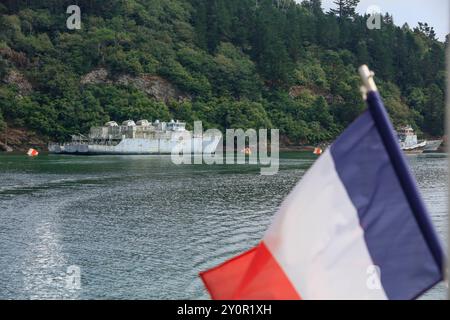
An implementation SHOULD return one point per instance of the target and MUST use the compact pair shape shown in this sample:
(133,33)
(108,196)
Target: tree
(2,122)
(269,49)
(315,6)
(234,73)
(345,8)
(362,53)
(434,105)
(426,30)
(235,62)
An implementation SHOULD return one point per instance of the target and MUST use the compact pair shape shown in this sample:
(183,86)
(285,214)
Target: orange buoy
(32,153)
(318,151)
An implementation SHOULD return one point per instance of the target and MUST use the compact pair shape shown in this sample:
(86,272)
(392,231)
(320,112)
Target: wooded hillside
(229,63)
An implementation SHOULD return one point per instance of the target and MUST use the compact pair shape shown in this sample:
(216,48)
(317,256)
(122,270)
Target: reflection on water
(141,227)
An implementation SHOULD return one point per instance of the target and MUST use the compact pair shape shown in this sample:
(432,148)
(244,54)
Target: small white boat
(408,140)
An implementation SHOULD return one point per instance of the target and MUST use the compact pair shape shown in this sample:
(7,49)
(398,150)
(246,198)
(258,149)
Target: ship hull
(434,146)
(415,149)
(140,147)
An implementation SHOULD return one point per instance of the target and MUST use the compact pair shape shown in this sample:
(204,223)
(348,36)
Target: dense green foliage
(244,63)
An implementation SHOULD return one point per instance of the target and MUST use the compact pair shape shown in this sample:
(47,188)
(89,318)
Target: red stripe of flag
(253,275)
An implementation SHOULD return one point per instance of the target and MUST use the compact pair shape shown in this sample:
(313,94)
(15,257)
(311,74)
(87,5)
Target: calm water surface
(139,227)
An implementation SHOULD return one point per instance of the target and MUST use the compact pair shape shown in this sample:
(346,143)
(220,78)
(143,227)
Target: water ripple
(141,227)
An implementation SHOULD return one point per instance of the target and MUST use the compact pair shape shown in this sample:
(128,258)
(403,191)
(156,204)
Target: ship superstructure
(408,140)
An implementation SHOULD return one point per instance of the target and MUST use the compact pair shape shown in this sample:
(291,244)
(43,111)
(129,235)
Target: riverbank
(5,148)
(21,139)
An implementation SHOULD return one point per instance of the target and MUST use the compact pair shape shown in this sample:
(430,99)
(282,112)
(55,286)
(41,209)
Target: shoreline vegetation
(20,140)
(228,63)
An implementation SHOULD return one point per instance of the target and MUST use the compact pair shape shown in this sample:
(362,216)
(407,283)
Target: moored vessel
(143,137)
(408,140)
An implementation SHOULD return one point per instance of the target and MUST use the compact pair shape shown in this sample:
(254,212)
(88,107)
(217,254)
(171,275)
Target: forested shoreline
(229,63)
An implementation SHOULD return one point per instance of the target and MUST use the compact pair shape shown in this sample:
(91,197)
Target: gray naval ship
(143,137)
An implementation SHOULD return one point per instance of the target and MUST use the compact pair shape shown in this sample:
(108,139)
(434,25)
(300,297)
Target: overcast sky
(435,12)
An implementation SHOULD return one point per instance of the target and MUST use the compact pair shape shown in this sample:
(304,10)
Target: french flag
(355,227)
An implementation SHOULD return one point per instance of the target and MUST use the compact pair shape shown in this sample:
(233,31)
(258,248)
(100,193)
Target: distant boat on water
(408,140)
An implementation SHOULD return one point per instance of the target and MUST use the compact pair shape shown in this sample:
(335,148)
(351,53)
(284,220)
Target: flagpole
(367,79)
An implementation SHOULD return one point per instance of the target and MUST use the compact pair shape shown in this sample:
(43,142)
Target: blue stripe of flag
(397,228)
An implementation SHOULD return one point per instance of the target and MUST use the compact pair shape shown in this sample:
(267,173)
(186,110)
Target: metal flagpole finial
(367,79)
